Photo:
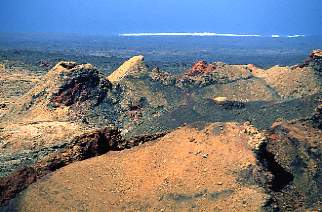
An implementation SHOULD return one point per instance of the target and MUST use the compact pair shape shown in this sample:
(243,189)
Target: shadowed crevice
(281,177)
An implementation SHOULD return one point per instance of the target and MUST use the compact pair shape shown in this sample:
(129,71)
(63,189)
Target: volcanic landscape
(216,137)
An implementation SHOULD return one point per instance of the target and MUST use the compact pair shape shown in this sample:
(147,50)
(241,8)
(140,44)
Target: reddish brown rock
(316,54)
(201,67)
(78,83)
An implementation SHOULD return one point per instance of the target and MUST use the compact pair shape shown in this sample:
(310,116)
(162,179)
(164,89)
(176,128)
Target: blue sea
(261,50)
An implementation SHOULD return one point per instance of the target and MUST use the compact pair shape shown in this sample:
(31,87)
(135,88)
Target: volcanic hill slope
(211,143)
(190,174)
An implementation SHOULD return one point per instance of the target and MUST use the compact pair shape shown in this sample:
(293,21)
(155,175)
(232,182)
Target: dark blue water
(262,51)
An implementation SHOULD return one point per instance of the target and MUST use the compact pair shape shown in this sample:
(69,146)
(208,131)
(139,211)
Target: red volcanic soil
(201,67)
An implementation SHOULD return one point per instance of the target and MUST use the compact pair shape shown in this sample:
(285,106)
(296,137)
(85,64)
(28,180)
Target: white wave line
(295,36)
(185,34)
(209,34)
(237,35)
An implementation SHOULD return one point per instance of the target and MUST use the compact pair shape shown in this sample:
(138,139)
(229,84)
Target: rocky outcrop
(297,148)
(66,84)
(133,65)
(79,83)
(201,67)
(316,54)
(68,92)
(164,78)
(202,74)
(314,61)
